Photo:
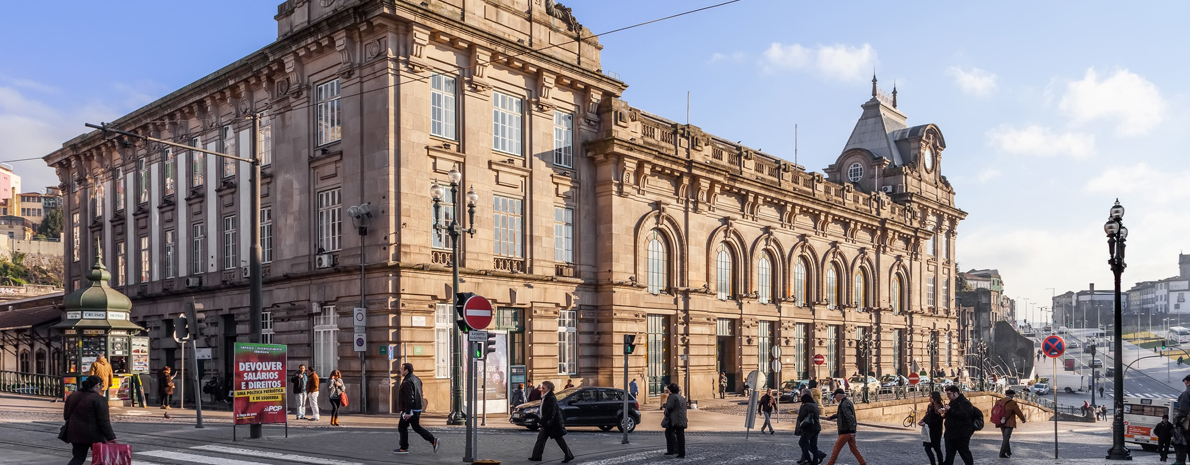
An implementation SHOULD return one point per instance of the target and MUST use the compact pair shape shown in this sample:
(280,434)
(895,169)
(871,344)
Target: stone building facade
(595,219)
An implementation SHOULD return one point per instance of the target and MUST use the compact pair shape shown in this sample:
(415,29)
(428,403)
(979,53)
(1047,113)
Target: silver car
(1041,389)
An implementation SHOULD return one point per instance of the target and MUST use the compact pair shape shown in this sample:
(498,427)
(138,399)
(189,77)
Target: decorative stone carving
(345,44)
(476,79)
(292,84)
(375,48)
(419,37)
(564,14)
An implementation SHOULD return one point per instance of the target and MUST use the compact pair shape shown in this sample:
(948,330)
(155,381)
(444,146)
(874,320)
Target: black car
(583,406)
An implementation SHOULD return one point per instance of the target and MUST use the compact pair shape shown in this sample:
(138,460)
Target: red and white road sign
(914,378)
(819,359)
(477,312)
(1053,346)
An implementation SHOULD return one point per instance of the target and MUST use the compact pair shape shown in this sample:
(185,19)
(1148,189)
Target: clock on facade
(927,158)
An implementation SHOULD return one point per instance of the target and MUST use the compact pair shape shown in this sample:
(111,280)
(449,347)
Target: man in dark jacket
(299,388)
(765,407)
(1164,432)
(1179,417)
(409,404)
(552,425)
(845,417)
(959,426)
(87,420)
(518,395)
(534,393)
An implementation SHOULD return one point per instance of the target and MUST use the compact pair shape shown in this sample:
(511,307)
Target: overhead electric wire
(464,68)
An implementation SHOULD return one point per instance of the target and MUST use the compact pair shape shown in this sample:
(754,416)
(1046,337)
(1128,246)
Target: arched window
(799,283)
(723,272)
(832,288)
(895,297)
(765,279)
(39,362)
(23,361)
(860,294)
(656,263)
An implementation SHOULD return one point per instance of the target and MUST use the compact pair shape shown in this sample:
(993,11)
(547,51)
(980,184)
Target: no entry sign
(477,312)
(1053,346)
(819,359)
(914,378)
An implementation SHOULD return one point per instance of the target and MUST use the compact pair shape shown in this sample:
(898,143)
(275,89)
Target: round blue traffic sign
(1053,346)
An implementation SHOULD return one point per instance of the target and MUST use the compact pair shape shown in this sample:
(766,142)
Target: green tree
(51,225)
(12,271)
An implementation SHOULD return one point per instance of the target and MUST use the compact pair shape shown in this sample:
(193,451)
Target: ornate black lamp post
(1116,236)
(981,350)
(932,349)
(454,230)
(865,348)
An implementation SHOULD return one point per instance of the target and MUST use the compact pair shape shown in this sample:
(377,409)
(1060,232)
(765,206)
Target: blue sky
(1050,110)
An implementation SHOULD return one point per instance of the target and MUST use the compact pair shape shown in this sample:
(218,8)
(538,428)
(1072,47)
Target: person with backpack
(1179,420)
(961,421)
(845,416)
(1164,432)
(807,428)
(1004,415)
(765,407)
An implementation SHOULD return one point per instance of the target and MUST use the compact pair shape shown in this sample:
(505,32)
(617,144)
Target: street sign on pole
(777,366)
(477,336)
(477,312)
(914,378)
(819,359)
(1053,347)
(776,351)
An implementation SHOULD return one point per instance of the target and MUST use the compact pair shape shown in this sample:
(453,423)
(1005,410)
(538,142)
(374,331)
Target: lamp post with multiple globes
(1117,234)
(454,230)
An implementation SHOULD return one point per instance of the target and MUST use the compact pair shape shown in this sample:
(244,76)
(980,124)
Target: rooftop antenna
(795,143)
(687,108)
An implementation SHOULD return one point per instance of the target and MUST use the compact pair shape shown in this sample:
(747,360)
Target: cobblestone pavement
(29,438)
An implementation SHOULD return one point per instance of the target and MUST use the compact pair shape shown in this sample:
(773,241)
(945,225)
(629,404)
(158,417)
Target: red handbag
(343,398)
(110,453)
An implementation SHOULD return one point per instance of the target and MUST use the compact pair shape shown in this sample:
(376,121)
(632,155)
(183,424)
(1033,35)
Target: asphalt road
(1151,376)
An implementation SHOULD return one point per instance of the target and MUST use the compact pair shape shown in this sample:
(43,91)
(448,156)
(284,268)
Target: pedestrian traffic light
(460,299)
(181,329)
(490,345)
(479,350)
(195,321)
(629,343)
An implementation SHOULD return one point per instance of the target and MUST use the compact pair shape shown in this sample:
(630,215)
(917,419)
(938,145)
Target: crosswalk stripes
(191,455)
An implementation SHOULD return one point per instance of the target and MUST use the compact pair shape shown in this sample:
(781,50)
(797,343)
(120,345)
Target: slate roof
(29,317)
(876,131)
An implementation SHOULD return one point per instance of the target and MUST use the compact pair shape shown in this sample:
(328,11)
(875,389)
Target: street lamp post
(932,348)
(981,349)
(1117,235)
(454,230)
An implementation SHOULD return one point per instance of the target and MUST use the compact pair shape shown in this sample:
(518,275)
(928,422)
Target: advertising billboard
(259,384)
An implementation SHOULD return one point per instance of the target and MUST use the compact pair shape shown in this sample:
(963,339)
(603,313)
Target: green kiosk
(97,323)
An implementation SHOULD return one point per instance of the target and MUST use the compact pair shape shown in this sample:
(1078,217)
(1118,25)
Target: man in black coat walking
(959,426)
(87,420)
(409,404)
(552,425)
(1164,432)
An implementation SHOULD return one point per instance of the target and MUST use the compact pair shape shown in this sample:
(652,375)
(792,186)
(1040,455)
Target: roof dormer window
(855,172)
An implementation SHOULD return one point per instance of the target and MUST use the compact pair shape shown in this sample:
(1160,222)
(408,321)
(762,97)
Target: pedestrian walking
(87,420)
(1009,412)
(807,428)
(409,404)
(534,393)
(722,385)
(335,392)
(518,395)
(765,407)
(674,422)
(932,424)
(633,389)
(1100,392)
(845,417)
(1164,432)
(165,387)
(1086,406)
(312,395)
(1103,411)
(1180,419)
(815,392)
(552,425)
(298,382)
(101,368)
(959,426)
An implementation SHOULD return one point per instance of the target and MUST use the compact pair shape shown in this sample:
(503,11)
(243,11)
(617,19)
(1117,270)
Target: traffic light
(460,299)
(629,343)
(478,347)
(181,329)
(195,321)
(490,345)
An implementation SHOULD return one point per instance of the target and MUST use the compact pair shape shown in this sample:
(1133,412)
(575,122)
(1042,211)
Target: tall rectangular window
(799,351)
(326,340)
(563,139)
(121,264)
(171,172)
(229,242)
(146,266)
(930,298)
(264,139)
(764,347)
(142,171)
(945,292)
(567,342)
(444,216)
(946,245)
(444,320)
(508,227)
(229,148)
(897,349)
(75,239)
(266,235)
(266,328)
(170,252)
(657,353)
(330,220)
(442,106)
(564,235)
(120,189)
(506,123)
(198,238)
(327,112)
(932,242)
(949,355)
(198,166)
(832,350)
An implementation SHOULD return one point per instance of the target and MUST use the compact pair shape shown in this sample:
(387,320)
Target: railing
(30,384)
(441,257)
(510,264)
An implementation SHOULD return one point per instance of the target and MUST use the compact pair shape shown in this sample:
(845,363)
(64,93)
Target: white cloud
(1140,179)
(838,61)
(1125,97)
(987,174)
(1041,142)
(976,81)
(729,57)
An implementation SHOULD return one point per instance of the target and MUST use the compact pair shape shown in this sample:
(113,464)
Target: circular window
(855,172)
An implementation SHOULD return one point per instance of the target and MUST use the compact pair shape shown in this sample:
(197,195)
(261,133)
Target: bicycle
(911,419)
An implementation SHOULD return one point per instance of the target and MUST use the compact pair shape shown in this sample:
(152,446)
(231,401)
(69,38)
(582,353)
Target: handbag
(62,433)
(665,422)
(925,433)
(110,453)
(343,398)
